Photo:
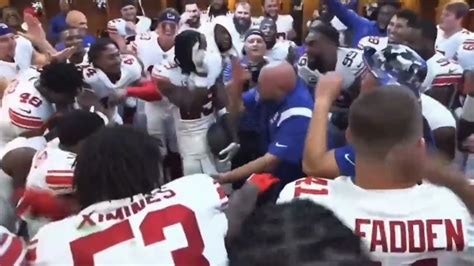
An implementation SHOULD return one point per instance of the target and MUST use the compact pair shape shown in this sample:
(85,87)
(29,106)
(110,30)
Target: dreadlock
(296,234)
(183,48)
(61,78)
(116,163)
(98,47)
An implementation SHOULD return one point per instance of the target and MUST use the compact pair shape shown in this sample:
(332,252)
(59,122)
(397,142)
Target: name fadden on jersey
(413,236)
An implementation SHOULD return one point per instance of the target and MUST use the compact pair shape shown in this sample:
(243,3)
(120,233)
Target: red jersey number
(152,231)
(306,186)
(129,61)
(34,101)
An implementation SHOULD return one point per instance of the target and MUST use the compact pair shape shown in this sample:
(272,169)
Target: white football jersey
(118,26)
(436,114)
(449,46)
(442,72)
(376,42)
(465,54)
(192,126)
(421,225)
(182,223)
(350,65)
(284,24)
(279,51)
(23,107)
(52,169)
(131,71)
(12,248)
(22,60)
(150,52)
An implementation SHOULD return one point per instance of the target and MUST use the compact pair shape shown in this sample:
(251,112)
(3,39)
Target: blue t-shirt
(285,125)
(56,26)
(345,156)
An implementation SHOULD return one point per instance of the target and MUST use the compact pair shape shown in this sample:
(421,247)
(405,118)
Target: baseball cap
(169,16)
(4,29)
(125,3)
(253,32)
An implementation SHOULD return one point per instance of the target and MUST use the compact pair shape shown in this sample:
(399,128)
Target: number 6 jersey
(181,224)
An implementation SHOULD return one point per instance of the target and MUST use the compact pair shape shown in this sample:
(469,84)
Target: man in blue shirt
(58,23)
(77,19)
(283,105)
(361,26)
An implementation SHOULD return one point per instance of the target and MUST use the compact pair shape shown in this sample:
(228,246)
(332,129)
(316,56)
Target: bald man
(283,106)
(77,20)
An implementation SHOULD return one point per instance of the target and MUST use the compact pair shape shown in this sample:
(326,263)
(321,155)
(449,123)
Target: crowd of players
(190,127)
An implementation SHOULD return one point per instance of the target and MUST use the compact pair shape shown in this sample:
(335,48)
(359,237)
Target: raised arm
(317,160)
(348,17)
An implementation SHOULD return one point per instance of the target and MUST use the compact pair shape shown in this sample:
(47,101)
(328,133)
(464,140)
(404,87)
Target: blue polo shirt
(284,125)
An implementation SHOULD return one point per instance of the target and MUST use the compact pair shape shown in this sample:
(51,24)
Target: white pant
(160,124)
(198,165)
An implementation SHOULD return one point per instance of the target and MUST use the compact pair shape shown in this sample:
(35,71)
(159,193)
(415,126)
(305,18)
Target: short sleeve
(289,140)
(345,159)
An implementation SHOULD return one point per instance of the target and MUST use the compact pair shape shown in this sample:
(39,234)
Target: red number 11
(151,228)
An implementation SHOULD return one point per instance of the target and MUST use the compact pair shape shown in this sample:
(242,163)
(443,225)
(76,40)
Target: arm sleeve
(288,144)
(345,159)
(348,17)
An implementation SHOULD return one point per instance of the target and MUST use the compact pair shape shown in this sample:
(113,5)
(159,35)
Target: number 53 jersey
(23,107)
(181,224)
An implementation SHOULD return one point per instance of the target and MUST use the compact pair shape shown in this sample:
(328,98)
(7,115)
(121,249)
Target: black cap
(127,3)
(169,15)
(253,32)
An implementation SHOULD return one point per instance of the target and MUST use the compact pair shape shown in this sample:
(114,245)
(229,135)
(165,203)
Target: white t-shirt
(418,225)
(279,51)
(449,46)
(350,65)
(23,107)
(119,26)
(182,223)
(442,72)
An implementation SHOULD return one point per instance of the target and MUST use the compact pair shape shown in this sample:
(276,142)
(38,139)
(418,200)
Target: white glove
(230,151)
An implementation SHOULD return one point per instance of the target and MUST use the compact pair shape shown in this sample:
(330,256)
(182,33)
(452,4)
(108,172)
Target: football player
(35,96)
(191,18)
(52,167)
(224,38)
(73,38)
(444,80)
(276,50)
(242,18)
(451,34)
(397,31)
(130,24)
(323,54)
(145,222)
(399,221)
(216,8)
(401,66)
(284,23)
(191,86)
(110,71)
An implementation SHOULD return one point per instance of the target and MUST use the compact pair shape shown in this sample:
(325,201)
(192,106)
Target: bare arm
(317,160)
(445,139)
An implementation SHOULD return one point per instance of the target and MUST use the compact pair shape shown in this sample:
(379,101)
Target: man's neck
(378,175)
(450,33)
(113,77)
(165,45)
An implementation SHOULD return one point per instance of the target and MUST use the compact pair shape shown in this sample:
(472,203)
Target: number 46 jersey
(423,225)
(349,64)
(181,224)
